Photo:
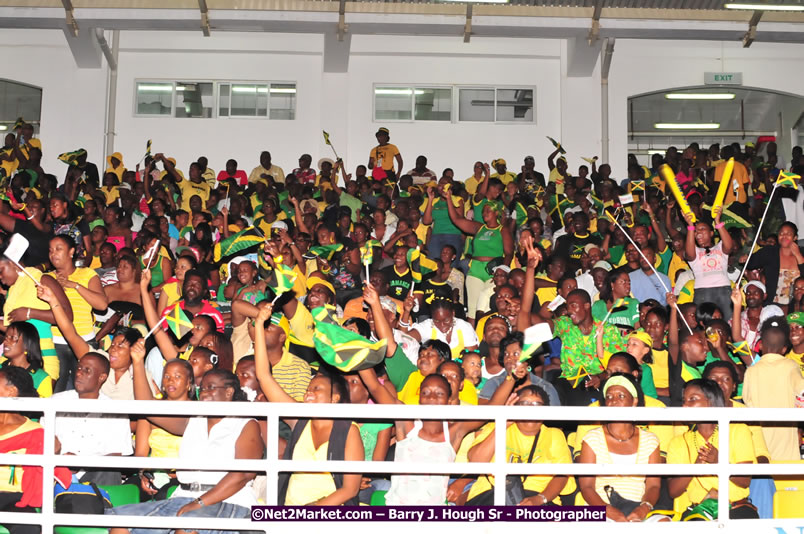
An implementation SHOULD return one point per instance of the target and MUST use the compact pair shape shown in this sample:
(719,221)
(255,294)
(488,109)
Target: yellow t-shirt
(111,193)
(384,156)
(163,444)
(676,264)
(684,450)
(758,438)
(798,358)
(302,326)
(551,448)
(471,184)
(546,294)
(506,178)
(556,177)
(83,317)
(739,177)
(190,189)
(410,392)
(305,488)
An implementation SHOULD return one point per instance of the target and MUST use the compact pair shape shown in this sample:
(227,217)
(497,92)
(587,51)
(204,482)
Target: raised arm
(142,391)
(427,217)
(483,186)
(524,319)
(273,391)
(384,330)
(672,339)
(661,243)
(465,225)
(689,244)
(725,236)
(151,317)
(63,322)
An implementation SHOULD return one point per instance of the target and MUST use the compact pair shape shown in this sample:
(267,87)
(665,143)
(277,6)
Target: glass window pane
(154,98)
(393,103)
(514,105)
(476,105)
(194,99)
(244,100)
(283,101)
(433,104)
(19,100)
(224,100)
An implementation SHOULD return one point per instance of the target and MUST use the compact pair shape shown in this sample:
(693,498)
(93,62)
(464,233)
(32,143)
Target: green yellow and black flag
(244,241)
(71,158)
(788,179)
(420,264)
(325,252)
(557,145)
(178,322)
(345,350)
(148,149)
(367,251)
(281,279)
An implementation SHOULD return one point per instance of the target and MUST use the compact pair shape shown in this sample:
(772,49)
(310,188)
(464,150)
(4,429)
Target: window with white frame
(216,99)
(454,104)
(412,103)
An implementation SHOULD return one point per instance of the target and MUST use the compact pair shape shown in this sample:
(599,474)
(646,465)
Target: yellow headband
(620,381)
(314,281)
(642,336)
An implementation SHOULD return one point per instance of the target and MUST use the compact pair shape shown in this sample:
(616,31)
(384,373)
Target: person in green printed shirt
(576,330)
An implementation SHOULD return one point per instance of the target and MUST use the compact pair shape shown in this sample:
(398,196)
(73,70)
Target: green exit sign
(723,78)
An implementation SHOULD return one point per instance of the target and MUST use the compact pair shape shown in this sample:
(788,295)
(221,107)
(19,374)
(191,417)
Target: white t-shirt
(92,434)
(710,270)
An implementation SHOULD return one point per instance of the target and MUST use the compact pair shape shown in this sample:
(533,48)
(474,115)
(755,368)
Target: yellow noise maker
(725,181)
(670,177)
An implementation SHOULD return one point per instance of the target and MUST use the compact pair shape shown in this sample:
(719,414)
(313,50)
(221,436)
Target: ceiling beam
(342,28)
(70,16)
(467,28)
(202,6)
(751,34)
(594,31)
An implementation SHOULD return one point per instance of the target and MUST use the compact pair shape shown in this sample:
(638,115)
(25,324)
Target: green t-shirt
(442,224)
(648,387)
(626,314)
(354,204)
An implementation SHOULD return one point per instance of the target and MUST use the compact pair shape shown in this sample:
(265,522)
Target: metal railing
(272,466)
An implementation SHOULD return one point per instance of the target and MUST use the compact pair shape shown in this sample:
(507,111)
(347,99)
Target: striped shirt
(632,488)
(293,375)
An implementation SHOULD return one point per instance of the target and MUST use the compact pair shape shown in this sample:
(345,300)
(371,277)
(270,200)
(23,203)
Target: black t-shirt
(37,253)
(571,247)
(431,288)
(399,284)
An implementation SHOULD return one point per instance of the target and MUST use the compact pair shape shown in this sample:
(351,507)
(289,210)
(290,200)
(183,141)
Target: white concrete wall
(73,100)
(640,66)
(568,109)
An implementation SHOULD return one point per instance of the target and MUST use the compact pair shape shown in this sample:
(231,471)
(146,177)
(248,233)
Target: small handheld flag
(590,161)
(152,253)
(71,158)
(281,279)
(788,179)
(329,142)
(178,322)
(17,246)
(535,336)
(557,145)
(325,252)
(344,349)
(148,148)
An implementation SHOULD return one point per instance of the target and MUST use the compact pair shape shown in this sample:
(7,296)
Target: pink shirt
(710,269)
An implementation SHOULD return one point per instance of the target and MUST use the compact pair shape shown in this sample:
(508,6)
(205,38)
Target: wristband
(719,225)
(691,228)
(646,503)
(31,217)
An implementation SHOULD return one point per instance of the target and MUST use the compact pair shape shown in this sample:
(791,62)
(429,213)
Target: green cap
(796,318)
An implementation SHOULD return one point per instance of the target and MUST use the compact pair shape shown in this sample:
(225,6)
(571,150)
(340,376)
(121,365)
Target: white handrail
(272,466)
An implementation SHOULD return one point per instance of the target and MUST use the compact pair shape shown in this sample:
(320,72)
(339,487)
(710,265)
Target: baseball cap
(796,318)
(603,265)
(389,304)
(756,283)
(642,336)
(279,225)
(383,130)
(590,247)
(749,144)
(505,268)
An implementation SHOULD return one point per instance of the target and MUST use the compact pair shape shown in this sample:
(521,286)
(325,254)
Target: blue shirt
(645,287)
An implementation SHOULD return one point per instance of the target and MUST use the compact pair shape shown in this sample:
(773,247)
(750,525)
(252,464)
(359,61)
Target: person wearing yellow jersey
(699,445)
(559,174)
(114,165)
(266,170)
(481,172)
(796,322)
(383,157)
(22,304)
(525,442)
(502,174)
(195,186)
(85,293)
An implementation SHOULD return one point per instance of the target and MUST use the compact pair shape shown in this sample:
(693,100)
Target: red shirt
(306,176)
(240,176)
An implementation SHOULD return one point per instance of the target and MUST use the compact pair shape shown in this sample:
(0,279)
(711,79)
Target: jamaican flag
(71,158)
(535,336)
(788,179)
(556,144)
(325,252)
(178,322)
(147,149)
(730,218)
(367,251)
(238,244)
(420,264)
(342,348)
(281,279)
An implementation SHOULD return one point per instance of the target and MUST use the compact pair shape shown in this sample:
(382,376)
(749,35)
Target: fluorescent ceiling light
(479,1)
(285,90)
(247,89)
(3,127)
(700,96)
(397,92)
(156,88)
(765,7)
(687,126)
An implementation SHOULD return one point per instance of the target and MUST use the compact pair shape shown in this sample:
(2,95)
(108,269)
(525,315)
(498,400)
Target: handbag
(80,499)
(515,485)
(626,506)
